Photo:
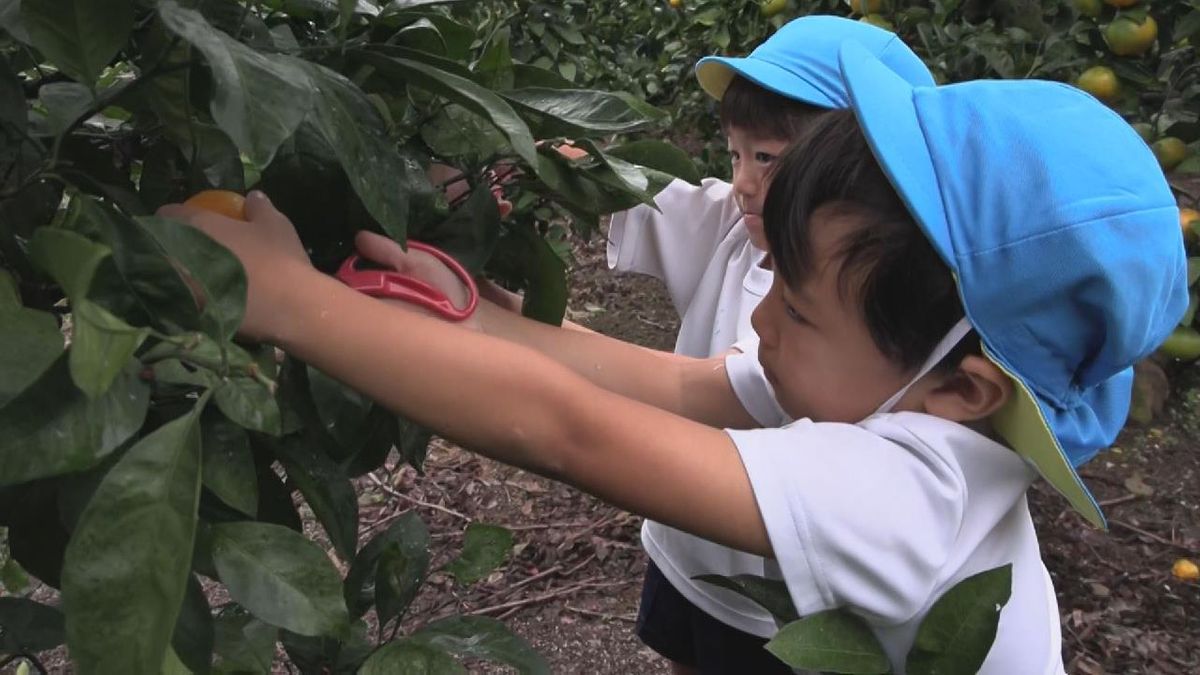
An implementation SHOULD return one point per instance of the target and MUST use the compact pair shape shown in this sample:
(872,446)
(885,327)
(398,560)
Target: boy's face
(753,162)
(816,348)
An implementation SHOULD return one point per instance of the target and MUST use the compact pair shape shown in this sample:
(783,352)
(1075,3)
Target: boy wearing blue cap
(706,243)
(961,286)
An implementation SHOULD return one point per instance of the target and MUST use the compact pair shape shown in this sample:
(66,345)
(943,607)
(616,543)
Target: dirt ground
(571,586)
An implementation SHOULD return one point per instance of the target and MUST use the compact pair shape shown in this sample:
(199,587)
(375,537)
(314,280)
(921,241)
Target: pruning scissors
(393,285)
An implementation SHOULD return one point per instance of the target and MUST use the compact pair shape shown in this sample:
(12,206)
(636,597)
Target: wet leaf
(281,577)
(126,567)
(405,657)
(326,489)
(408,531)
(484,548)
(957,633)
(481,637)
(250,404)
(579,113)
(402,567)
(229,464)
(32,342)
(53,428)
(771,594)
(260,99)
(834,640)
(78,36)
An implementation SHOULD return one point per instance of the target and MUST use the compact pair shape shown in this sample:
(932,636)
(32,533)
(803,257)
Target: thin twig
(1119,500)
(525,602)
(413,500)
(1149,535)
(630,618)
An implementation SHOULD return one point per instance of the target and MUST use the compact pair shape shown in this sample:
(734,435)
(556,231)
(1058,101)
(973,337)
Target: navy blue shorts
(678,630)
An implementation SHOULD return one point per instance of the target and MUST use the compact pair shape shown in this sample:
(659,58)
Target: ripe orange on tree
(770,8)
(878,20)
(866,6)
(1170,152)
(227,203)
(675,4)
(1126,37)
(1090,8)
(1101,82)
(1189,221)
(1185,570)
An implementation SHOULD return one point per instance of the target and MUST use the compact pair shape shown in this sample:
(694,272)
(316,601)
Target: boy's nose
(760,321)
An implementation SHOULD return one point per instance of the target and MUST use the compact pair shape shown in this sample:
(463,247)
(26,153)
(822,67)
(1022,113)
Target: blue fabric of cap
(1056,220)
(800,61)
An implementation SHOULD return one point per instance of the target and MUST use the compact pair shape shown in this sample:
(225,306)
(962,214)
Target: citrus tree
(148,460)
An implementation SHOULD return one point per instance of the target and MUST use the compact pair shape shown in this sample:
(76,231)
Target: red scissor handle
(398,286)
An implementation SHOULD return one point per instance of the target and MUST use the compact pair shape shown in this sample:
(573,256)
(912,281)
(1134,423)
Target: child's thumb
(259,209)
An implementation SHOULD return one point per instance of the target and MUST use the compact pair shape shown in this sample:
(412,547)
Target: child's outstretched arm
(694,388)
(501,399)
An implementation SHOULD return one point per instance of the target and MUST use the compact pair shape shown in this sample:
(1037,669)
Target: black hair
(764,114)
(908,297)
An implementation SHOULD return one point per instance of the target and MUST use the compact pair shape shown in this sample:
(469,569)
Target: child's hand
(416,264)
(269,249)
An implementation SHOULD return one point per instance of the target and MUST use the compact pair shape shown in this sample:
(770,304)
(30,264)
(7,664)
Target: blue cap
(800,61)
(1066,250)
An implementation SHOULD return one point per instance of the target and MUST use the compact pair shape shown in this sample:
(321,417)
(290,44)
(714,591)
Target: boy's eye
(734,156)
(764,157)
(793,314)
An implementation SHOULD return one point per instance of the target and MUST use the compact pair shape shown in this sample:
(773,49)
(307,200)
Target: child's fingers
(383,251)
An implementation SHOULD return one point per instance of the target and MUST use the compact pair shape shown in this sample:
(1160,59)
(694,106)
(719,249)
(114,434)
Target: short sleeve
(854,519)
(676,241)
(750,384)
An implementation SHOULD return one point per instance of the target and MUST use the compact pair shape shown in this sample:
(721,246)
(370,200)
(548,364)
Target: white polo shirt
(884,516)
(698,245)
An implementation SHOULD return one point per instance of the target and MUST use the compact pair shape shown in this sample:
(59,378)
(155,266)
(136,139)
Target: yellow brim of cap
(1021,423)
(714,78)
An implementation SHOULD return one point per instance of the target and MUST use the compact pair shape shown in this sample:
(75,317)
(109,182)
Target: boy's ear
(975,390)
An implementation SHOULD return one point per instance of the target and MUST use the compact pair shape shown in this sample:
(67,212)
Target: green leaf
(211,266)
(143,264)
(494,69)
(326,489)
(229,464)
(243,644)
(281,577)
(192,640)
(250,404)
(526,76)
(10,295)
(53,428)
(350,124)
(80,37)
(659,155)
(260,99)
(32,342)
(481,637)
(580,113)
(484,548)
(28,626)
(403,564)
(342,411)
(126,567)
(64,102)
(835,641)
(13,578)
(522,254)
(957,633)
(68,257)
(471,232)
(103,346)
(457,132)
(405,657)
(11,21)
(359,587)
(771,594)
(460,90)
(275,503)
(172,665)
